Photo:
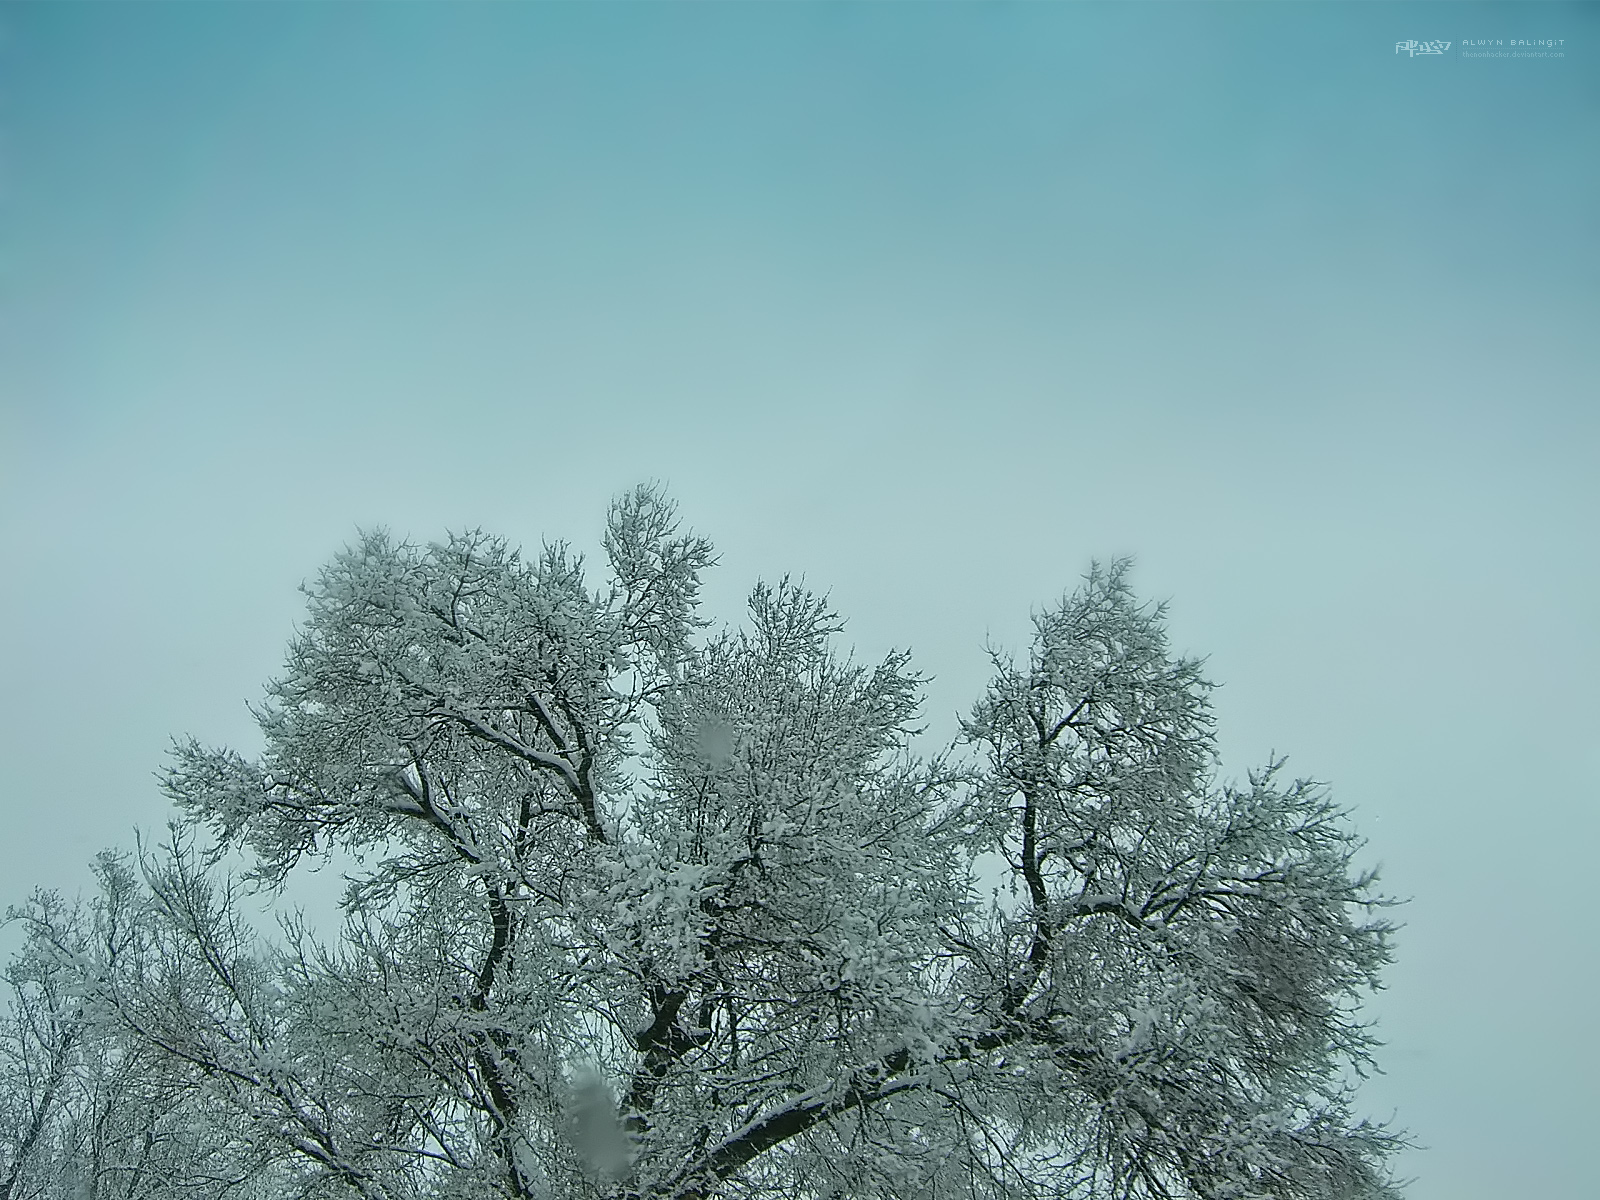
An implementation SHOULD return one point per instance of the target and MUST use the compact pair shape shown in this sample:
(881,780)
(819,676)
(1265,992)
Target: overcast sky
(931,303)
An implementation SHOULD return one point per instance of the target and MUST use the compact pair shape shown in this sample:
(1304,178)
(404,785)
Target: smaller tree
(94,1110)
(39,1040)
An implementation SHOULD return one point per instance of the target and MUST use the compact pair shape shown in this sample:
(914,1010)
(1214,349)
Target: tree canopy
(642,910)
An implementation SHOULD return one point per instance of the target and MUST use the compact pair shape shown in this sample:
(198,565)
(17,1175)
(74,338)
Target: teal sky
(930,302)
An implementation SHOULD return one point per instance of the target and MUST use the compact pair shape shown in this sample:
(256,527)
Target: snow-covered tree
(89,1110)
(642,911)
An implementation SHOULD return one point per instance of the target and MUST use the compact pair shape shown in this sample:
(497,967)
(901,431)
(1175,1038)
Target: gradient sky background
(933,303)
